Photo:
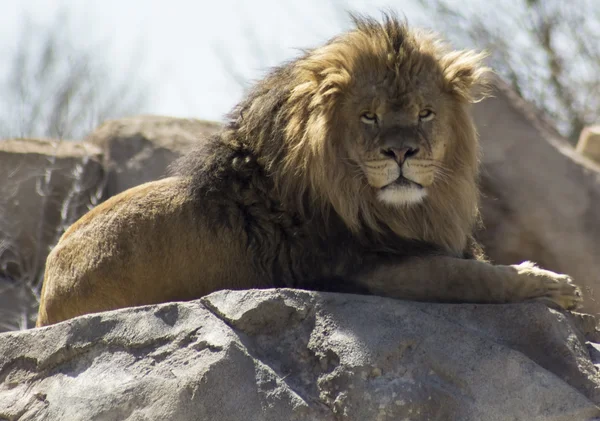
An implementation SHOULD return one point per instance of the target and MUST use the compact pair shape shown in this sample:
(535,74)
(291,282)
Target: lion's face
(395,99)
(398,140)
(375,126)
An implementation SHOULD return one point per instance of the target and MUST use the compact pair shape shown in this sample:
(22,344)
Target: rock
(139,149)
(541,198)
(297,355)
(44,187)
(589,143)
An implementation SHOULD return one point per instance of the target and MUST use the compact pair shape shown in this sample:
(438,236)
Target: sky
(195,56)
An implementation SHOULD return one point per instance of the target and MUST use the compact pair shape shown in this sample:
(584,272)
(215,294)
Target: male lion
(352,168)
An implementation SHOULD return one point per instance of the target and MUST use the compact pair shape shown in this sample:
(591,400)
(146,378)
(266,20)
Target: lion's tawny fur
(352,168)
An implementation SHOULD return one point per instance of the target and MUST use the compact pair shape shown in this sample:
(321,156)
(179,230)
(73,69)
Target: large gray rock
(139,149)
(541,198)
(295,355)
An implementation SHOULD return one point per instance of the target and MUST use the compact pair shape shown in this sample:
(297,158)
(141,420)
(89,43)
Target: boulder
(540,197)
(139,149)
(298,355)
(45,186)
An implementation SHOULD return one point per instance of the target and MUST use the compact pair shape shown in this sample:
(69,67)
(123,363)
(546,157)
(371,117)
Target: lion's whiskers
(441,172)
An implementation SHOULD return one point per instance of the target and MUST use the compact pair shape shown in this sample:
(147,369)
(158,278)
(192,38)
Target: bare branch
(547,50)
(56,89)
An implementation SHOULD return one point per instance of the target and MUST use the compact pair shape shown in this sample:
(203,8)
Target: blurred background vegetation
(54,88)
(548,50)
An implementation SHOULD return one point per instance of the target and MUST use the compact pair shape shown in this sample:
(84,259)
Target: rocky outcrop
(296,355)
(139,149)
(45,186)
(541,198)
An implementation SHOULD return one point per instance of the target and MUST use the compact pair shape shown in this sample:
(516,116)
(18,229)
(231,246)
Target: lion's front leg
(448,279)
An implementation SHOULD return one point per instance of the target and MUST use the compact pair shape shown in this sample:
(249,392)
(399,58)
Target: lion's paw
(557,287)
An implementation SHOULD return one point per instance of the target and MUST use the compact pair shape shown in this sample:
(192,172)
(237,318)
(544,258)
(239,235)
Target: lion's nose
(400,154)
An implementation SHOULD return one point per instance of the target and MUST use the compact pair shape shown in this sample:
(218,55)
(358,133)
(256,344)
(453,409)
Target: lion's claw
(562,290)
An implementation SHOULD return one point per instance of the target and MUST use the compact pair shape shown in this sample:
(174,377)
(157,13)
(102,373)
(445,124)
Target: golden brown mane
(294,121)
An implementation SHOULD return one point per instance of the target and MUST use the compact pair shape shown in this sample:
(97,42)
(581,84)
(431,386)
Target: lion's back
(146,245)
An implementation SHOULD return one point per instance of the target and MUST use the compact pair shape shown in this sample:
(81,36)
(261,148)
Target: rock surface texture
(296,355)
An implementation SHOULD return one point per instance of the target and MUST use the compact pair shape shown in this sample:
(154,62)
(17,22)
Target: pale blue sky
(181,41)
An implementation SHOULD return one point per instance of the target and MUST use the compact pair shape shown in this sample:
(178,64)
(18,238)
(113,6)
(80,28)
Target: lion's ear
(466,75)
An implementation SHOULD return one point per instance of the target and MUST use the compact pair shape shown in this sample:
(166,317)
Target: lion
(352,168)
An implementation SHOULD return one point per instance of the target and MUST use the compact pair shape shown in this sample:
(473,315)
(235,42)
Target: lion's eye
(369,118)
(426,115)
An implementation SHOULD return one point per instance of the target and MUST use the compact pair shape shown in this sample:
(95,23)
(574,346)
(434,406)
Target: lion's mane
(292,123)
